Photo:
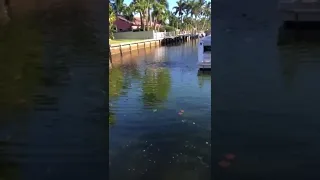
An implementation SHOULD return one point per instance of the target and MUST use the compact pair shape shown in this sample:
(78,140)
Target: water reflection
(20,71)
(156,86)
(21,52)
(298,60)
(52,66)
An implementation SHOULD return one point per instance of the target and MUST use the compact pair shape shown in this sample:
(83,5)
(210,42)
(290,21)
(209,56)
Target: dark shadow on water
(53,109)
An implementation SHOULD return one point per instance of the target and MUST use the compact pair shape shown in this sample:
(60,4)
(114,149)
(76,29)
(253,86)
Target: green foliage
(167,28)
(112,19)
(186,15)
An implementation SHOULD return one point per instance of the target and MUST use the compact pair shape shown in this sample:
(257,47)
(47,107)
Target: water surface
(161,115)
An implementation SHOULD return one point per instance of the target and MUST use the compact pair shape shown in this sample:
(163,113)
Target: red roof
(124,19)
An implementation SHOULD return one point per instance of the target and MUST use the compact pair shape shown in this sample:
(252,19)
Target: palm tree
(119,6)
(173,20)
(164,2)
(156,5)
(207,14)
(128,12)
(179,9)
(159,13)
(141,6)
(149,19)
(196,8)
(188,8)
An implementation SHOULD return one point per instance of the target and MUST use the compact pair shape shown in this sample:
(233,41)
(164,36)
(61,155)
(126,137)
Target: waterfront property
(124,47)
(123,24)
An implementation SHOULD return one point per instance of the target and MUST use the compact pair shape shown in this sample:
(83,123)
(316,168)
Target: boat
(204,53)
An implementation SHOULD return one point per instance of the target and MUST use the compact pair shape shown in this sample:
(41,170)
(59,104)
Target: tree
(159,13)
(128,12)
(112,19)
(173,20)
(141,6)
(179,9)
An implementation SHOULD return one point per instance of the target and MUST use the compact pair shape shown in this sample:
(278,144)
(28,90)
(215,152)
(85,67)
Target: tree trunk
(141,22)
(144,24)
(154,23)
(149,19)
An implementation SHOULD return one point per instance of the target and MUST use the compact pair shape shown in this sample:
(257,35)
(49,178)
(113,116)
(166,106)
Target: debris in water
(155,110)
(183,120)
(182,110)
(230,156)
(224,164)
(180,113)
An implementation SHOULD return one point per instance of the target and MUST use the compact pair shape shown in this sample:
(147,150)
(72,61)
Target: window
(206,48)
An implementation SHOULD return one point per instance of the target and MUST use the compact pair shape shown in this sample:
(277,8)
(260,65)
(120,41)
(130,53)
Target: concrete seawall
(128,47)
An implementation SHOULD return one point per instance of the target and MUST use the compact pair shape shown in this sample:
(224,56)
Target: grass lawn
(118,41)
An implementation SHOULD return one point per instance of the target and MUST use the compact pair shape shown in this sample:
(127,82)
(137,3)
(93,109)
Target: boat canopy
(206,40)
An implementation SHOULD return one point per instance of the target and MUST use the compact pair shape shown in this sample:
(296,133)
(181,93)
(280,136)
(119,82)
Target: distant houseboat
(204,53)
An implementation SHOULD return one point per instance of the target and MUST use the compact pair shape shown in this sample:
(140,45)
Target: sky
(172,3)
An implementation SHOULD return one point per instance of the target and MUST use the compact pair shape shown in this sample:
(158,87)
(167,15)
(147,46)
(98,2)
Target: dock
(300,20)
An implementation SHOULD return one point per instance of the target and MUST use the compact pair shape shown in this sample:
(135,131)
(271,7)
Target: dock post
(120,50)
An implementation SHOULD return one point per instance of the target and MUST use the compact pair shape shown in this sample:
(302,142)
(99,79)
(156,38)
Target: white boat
(204,53)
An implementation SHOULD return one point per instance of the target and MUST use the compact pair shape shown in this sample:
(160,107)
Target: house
(123,24)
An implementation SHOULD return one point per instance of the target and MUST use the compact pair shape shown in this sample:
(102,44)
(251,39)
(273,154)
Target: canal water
(160,115)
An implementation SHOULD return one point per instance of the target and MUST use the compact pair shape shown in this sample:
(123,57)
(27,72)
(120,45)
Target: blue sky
(172,3)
